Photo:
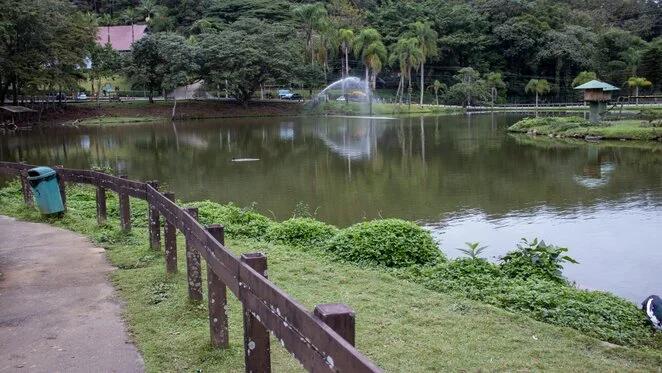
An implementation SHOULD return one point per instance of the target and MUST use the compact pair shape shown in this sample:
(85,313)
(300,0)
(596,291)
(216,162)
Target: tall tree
(436,87)
(637,82)
(537,86)
(369,47)
(312,18)
(162,62)
(469,86)
(495,83)
(266,53)
(130,15)
(104,63)
(41,45)
(427,42)
(569,48)
(408,55)
(346,39)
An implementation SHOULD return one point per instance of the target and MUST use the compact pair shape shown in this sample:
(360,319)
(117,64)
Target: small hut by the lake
(597,94)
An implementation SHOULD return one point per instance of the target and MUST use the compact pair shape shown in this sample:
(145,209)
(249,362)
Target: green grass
(355,108)
(632,129)
(114,121)
(401,325)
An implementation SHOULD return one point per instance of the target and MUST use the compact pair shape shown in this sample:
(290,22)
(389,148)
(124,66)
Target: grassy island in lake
(576,127)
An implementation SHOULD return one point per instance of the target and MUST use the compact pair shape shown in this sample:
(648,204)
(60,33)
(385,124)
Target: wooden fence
(322,341)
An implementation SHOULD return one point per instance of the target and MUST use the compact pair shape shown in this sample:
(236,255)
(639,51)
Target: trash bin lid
(40,173)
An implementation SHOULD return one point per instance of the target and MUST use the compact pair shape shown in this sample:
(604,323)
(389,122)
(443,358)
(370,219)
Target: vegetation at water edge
(630,129)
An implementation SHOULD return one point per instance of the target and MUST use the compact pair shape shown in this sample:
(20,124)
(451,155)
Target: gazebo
(597,94)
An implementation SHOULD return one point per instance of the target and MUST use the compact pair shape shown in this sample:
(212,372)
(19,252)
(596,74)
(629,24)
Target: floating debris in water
(245,159)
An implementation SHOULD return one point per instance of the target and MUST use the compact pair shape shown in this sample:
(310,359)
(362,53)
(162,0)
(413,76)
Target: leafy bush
(388,242)
(598,314)
(536,259)
(302,232)
(237,222)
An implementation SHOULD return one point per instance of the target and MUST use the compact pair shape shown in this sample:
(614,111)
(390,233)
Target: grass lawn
(632,129)
(402,326)
(114,121)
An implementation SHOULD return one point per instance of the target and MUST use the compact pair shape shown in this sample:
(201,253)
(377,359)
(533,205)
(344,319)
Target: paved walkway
(58,311)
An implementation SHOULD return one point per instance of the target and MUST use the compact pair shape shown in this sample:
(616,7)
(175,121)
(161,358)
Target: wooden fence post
(217,297)
(257,348)
(25,188)
(154,221)
(101,205)
(125,209)
(193,265)
(170,233)
(340,318)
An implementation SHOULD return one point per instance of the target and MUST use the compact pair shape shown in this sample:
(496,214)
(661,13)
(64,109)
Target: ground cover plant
(631,129)
(422,313)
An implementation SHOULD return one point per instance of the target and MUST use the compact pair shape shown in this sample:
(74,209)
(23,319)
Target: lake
(463,177)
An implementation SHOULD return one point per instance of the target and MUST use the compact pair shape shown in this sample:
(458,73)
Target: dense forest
(464,51)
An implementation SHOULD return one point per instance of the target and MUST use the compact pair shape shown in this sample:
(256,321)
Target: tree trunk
(422,81)
(636,95)
(346,62)
(436,97)
(15,93)
(536,101)
(367,79)
(151,96)
(409,87)
(559,65)
(3,91)
(174,107)
(397,92)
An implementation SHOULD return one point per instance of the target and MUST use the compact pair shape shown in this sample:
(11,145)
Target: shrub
(301,232)
(536,259)
(238,222)
(388,242)
(598,314)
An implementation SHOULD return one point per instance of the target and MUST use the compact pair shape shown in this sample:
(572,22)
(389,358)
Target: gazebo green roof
(596,84)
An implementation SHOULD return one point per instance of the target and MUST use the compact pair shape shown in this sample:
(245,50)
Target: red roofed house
(120,37)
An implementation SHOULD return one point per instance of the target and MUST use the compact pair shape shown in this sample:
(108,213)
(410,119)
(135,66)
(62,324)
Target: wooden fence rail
(322,341)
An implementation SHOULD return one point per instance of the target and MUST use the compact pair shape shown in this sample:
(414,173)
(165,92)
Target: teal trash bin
(46,190)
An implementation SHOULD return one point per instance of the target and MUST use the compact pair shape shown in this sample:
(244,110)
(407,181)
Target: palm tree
(129,16)
(408,54)
(346,39)
(427,42)
(637,82)
(437,86)
(369,47)
(106,20)
(148,8)
(538,86)
(312,18)
(494,82)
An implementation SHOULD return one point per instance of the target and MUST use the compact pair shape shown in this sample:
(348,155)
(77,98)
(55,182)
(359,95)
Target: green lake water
(463,177)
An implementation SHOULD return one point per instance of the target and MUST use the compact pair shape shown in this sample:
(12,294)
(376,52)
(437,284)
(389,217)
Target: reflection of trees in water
(412,167)
(350,138)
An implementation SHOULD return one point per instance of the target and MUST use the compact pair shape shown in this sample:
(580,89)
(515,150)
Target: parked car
(285,94)
(296,96)
(81,96)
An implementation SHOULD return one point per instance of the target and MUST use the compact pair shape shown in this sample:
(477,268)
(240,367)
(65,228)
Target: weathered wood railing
(322,341)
